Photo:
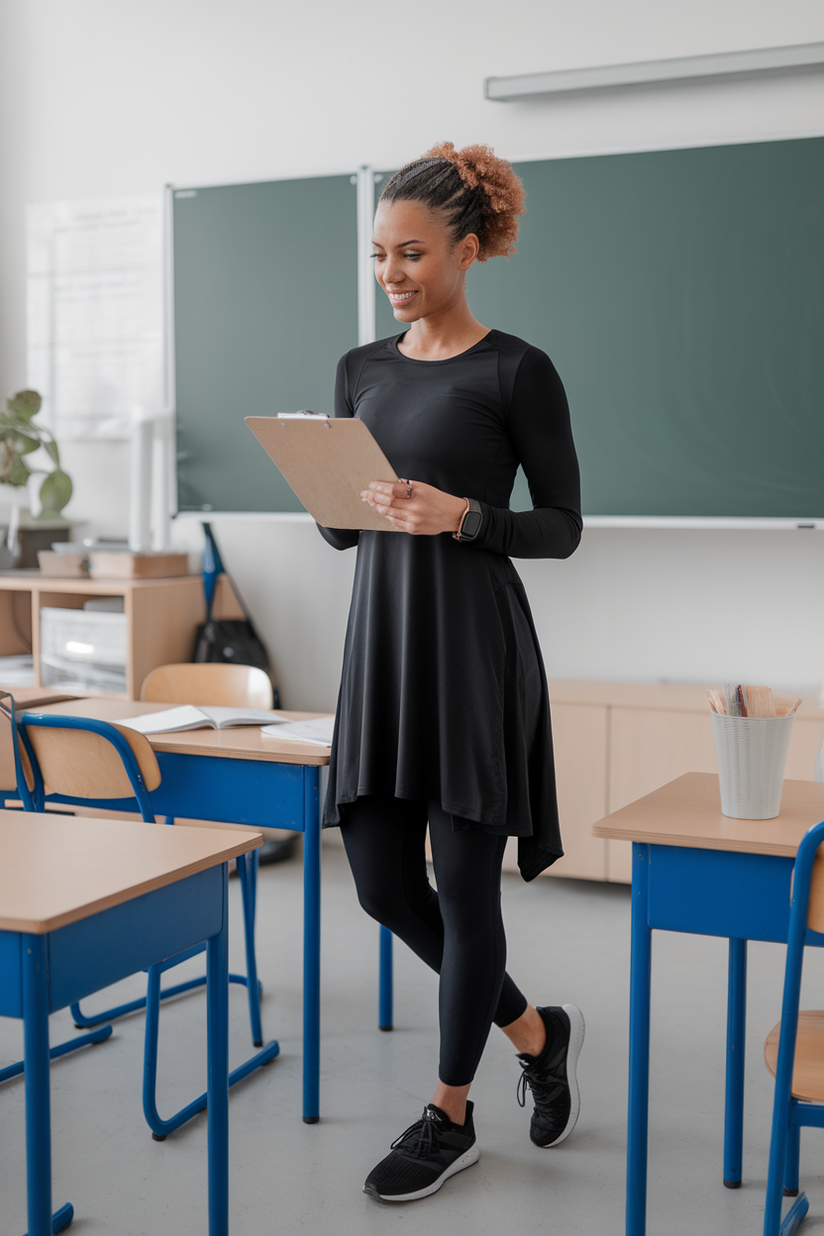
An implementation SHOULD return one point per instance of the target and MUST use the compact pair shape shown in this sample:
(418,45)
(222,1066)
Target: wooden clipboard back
(327,462)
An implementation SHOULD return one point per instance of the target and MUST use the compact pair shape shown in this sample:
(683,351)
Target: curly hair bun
(480,168)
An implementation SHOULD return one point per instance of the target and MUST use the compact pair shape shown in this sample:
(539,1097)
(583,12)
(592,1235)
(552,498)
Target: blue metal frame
(790,1115)
(733,894)
(247,869)
(41,973)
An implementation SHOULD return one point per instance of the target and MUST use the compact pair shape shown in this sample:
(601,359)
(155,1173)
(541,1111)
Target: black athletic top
(443,694)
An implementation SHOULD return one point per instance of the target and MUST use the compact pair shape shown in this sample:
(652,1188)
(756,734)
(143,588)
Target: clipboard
(327,462)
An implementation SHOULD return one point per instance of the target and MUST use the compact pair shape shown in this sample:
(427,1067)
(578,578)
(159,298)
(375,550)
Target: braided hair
(478,192)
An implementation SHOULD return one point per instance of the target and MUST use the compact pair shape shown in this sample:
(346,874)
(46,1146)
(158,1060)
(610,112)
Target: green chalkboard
(680,294)
(265,301)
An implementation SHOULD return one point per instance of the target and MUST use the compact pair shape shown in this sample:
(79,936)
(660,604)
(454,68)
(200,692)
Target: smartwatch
(471,521)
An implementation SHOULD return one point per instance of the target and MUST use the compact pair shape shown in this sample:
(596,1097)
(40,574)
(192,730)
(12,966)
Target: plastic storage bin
(83,649)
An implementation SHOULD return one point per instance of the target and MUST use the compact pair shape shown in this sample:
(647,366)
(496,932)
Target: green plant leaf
(55,492)
(19,472)
(51,447)
(25,404)
(24,444)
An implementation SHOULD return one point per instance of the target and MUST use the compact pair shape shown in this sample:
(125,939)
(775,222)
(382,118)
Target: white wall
(99,98)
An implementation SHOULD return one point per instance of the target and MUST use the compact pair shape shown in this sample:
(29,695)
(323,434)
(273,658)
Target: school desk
(84,903)
(696,870)
(241,776)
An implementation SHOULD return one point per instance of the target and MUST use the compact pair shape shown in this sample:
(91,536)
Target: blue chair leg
(247,870)
(792,1162)
(794,1215)
(385,981)
(162,1128)
(62,1049)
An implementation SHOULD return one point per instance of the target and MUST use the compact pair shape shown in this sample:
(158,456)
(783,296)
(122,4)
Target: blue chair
(794,1050)
(88,761)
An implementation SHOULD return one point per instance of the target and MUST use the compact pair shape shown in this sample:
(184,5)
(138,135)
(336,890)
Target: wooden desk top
(57,871)
(246,742)
(687,812)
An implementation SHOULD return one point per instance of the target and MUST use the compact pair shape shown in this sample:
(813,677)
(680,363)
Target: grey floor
(568,941)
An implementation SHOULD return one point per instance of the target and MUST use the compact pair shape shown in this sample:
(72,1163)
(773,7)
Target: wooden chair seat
(808,1070)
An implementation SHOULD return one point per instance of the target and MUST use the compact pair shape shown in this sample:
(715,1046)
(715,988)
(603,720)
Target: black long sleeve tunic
(443,694)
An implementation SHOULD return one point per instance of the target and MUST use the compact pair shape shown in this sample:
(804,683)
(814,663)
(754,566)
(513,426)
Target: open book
(188,717)
(318,731)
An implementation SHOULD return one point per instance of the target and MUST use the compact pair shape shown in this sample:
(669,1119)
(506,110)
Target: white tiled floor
(567,941)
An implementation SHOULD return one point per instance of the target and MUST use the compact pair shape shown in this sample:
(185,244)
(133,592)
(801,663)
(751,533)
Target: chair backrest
(10,768)
(227,686)
(815,908)
(85,759)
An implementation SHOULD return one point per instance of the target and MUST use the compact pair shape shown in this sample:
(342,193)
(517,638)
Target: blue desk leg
(639,1011)
(311,945)
(38,1103)
(736,1033)
(217,1085)
(385,981)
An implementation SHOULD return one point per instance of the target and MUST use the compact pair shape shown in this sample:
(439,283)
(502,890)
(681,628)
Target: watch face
(471,525)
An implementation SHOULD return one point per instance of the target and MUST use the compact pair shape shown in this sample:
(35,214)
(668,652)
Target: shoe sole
(577,1030)
(469,1157)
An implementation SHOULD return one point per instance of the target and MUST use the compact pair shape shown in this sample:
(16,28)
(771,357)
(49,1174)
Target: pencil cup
(751,754)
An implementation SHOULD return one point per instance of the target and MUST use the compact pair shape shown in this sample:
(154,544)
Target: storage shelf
(162,616)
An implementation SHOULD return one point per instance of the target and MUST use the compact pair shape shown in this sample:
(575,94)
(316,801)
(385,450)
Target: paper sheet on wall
(95,313)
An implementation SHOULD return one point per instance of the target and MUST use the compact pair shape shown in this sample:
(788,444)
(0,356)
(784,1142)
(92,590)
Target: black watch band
(471,521)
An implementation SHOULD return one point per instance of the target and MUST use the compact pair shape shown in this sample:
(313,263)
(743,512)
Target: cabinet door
(579,732)
(648,748)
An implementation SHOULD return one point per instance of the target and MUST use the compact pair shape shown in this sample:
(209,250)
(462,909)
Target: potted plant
(20,436)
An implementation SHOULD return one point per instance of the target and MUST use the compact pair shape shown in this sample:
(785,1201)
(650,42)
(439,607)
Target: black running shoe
(428,1153)
(551,1076)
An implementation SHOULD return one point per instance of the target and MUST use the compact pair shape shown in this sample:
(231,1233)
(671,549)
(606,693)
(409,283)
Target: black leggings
(458,930)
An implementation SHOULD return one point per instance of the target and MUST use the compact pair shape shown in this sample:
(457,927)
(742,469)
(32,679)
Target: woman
(443,714)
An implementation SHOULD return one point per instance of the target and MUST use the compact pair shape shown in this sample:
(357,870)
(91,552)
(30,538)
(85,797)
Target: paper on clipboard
(327,462)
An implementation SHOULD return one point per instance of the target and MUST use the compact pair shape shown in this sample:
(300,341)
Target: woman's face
(416,261)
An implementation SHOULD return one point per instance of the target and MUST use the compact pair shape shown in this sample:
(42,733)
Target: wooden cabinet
(161,617)
(615,742)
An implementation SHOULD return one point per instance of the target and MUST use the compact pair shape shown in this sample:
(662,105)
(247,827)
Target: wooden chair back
(815,909)
(82,764)
(8,737)
(226,686)
(8,772)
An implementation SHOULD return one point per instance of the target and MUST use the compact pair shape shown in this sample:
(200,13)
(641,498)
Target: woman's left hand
(414,507)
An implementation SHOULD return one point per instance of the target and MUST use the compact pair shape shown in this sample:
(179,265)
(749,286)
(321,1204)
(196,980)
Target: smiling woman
(443,717)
